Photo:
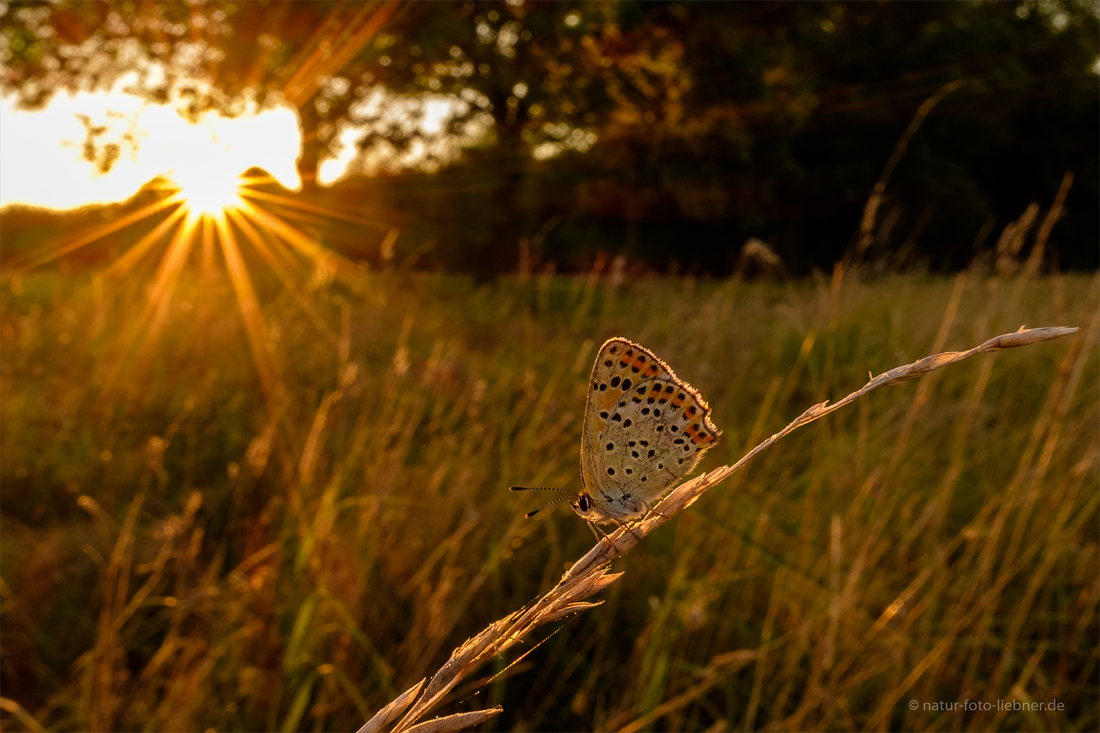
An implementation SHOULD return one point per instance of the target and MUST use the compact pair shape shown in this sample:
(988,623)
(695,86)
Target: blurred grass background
(179,553)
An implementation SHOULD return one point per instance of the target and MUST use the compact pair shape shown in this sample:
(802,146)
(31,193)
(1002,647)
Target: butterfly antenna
(536,488)
(528,515)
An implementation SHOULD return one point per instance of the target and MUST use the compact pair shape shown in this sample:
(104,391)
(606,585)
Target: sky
(42,162)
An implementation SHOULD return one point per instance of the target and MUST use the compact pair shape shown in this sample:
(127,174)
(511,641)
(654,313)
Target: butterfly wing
(644,429)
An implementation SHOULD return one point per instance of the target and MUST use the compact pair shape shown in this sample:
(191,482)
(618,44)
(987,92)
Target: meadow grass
(181,552)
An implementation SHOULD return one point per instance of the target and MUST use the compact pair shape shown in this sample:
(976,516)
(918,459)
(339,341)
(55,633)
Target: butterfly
(644,429)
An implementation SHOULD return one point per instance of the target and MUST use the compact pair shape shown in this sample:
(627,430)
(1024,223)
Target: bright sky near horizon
(42,160)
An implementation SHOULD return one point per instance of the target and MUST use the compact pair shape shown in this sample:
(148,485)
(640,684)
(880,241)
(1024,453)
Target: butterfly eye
(583,503)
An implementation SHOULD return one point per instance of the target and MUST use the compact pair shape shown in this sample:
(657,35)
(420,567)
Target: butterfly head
(586,508)
(582,505)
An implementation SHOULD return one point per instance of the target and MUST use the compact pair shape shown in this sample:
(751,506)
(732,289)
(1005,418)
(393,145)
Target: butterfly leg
(597,532)
(650,509)
(605,536)
(630,528)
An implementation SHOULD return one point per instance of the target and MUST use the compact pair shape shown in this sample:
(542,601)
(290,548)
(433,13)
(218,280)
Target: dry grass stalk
(870,211)
(16,711)
(589,575)
(1031,267)
(1012,240)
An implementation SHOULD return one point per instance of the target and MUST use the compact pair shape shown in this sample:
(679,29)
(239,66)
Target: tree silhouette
(643,123)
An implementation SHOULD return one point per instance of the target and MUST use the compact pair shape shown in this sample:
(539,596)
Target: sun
(217,174)
(208,187)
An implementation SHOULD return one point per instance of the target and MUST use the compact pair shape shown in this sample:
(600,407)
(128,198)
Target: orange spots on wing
(698,436)
(610,398)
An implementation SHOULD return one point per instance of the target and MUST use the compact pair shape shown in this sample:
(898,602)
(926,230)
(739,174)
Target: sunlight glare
(42,163)
(208,186)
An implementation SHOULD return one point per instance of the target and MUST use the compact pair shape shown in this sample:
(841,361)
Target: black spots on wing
(641,390)
(611,446)
(681,461)
(691,410)
(635,454)
(611,471)
(636,401)
(629,471)
(631,444)
(656,412)
(622,404)
(650,401)
(604,414)
(595,387)
(660,428)
(608,363)
(627,423)
(645,443)
(645,410)
(660,465)
(681,396)
(615,381)
(669,389)
(673,428)
(650,454)
(603,387)
(643,478)
(626,384)
(678,441)
(617,417)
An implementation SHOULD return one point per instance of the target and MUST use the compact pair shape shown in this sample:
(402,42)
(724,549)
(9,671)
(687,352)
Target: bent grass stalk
(589,575)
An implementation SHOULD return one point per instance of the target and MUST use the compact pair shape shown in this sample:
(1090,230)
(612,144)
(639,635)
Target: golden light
(209,188)
(61,162)
(42,160)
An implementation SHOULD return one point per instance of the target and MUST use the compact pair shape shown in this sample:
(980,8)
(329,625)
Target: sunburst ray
(98,233)
(287,278)
(207,207)
(249,307)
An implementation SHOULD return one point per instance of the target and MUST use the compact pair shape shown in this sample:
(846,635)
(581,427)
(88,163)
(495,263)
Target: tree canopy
(666,131)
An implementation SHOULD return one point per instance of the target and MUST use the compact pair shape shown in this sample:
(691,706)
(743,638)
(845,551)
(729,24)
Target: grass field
(182,552)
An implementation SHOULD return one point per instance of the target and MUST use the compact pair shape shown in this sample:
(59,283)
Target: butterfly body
(644,429)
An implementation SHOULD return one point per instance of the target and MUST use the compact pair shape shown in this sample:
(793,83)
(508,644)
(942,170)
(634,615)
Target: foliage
(655,121)
(177,554)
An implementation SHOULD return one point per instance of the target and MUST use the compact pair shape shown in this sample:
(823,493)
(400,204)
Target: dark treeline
(669,133)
